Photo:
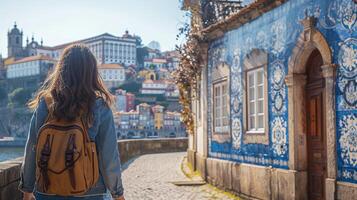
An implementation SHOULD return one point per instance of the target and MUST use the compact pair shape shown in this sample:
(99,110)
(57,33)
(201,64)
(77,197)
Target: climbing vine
(188,72)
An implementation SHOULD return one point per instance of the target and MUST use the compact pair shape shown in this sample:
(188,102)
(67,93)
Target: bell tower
(14,42)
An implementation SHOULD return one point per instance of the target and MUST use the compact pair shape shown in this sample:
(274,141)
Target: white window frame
(256,59)
(256,98)
(220,103)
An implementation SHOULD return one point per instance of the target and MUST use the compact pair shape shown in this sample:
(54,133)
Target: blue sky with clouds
(61,21)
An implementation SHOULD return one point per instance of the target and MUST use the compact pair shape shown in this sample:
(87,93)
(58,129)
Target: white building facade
(154,87)
(156,63)
(29,66)
(29,72)
(106,48)
(112,74)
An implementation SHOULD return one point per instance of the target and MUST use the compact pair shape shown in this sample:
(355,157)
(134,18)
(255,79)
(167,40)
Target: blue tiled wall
(276,32)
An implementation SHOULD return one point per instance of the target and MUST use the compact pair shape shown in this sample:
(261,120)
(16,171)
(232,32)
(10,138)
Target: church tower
(14,42)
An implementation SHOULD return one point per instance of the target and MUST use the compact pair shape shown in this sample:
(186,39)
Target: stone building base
(191,158)
(256,182)
(201,164)
(346,190)
(261,182)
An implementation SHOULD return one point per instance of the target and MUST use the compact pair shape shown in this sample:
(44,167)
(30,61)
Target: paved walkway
(149,177)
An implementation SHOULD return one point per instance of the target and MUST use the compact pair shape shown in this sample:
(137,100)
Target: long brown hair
(74,86)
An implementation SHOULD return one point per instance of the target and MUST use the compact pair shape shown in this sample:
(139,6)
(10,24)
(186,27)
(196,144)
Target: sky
(62,21)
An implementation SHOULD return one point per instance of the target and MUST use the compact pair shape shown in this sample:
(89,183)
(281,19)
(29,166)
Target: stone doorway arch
(309,40)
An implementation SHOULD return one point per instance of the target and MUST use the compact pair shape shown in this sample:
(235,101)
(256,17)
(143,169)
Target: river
(8,153)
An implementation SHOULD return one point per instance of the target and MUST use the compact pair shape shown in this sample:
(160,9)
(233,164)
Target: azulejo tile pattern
(342,16)
(278,88)
(276,33)
(236,99)
(347,79)
(348,146)
(348,139)
(342,12)
(279,138)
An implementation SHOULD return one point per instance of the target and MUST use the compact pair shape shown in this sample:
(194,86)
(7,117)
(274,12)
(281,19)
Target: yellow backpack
(67,162)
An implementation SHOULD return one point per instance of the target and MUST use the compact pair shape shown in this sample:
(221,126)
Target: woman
(76,89)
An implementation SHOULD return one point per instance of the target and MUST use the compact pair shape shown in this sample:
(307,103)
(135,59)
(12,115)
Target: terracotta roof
(9,61)
(173,53)
(163,70)
(110,66)
(33,58)
(156,60)
(172,113)
(127,113)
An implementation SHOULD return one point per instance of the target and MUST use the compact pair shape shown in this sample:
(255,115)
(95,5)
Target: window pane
(260,77)
(251,108)
(225,121)
(261,121)
(260,106)
(224,100)
(218,123)
(224,89)
(250,79)
(221,106)
(251,94)
(260,92)
(251,122)
(224,109)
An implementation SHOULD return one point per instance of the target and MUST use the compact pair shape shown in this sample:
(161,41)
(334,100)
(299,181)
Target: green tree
(19,97)
(141,53)
(152,66)
(131,86)
(138,41)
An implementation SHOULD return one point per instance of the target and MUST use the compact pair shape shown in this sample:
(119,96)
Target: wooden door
(316,137)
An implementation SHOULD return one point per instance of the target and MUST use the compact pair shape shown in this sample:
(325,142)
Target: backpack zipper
(65,128)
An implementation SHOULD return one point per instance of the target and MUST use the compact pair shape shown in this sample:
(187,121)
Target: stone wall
(131,148)
(262,182)
(10,170)
(9,179)
(254,181)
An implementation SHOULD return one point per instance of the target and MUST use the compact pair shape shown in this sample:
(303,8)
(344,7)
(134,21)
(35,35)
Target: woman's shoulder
(102,110)
(101,105)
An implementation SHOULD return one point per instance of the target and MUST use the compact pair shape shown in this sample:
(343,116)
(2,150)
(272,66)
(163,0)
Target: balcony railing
(214,11)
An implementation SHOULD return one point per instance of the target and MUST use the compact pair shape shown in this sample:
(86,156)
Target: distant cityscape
(139,76)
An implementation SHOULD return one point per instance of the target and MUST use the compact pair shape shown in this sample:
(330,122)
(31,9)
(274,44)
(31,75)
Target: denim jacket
(102,132)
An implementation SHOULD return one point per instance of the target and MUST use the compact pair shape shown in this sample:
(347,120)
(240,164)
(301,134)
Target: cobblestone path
(149,177)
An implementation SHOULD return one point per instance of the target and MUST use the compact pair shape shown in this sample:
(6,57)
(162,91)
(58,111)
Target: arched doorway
(315,132)
(311,110)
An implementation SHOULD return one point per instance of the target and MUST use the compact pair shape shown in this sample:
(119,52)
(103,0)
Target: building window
(255,100)
(220,113)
